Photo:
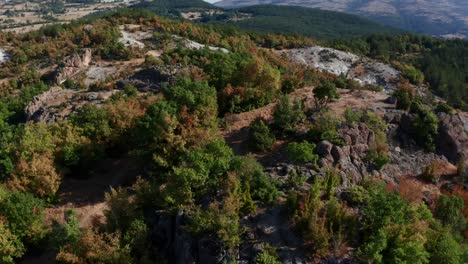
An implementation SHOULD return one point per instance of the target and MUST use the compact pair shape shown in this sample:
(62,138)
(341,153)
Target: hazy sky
(211,1)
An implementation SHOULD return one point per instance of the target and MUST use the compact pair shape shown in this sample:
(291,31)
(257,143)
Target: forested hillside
(313,23)
(130,137)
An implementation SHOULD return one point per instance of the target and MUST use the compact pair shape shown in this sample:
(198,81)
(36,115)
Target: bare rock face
(38,109)
(349,158)
(452,141)
(359,68)
(72,66)
(57,103)
(151,79)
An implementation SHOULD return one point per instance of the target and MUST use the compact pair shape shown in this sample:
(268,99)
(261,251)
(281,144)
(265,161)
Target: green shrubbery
(260,136)
(302,152)
(287,116)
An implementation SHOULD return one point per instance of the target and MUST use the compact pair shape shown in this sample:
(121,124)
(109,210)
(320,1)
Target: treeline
(441,63)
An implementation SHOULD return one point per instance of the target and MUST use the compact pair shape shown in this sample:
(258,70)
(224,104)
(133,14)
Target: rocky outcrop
(361,69)
(73,65)
(349,159)
(452,141)
(151,79)
(57,103)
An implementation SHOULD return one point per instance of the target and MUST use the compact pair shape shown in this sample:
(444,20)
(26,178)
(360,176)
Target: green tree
(24,214)
(260,136)
(11,246)
(286,115)
(449,212)
(324,94)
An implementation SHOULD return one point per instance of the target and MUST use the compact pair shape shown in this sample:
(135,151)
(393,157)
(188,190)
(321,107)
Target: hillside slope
(447,18)
(314,23)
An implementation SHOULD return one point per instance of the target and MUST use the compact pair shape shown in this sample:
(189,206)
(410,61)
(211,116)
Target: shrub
(296,180)
(404,98)
(95,247)
(377,160)
(449,212)
(265,258)
(442,107)
(324,94)
(426,128)
(444,248)
(429,173)
(302,152)
(24,213)
(253,178)
(286,115)
(69,232)
(11,246)
(260,136)
(326,128)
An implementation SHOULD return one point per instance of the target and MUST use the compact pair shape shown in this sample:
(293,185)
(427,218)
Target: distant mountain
(434,17)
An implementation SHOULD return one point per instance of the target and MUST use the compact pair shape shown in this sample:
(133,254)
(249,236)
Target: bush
(377,160)
(302,152)
(429,173)
(404,98)
(260,136)
(11,246)
(69,232)
(442,107)
(326,128)
(449,212)
(425,128)
(286,116)
(266,258)
(296,180)
(24,213)
(445,249)
(324,94)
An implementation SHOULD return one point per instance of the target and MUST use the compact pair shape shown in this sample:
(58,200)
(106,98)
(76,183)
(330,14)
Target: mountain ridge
(442,18)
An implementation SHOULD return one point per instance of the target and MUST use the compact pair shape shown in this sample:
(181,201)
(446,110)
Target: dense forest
(193,191)
(314,23)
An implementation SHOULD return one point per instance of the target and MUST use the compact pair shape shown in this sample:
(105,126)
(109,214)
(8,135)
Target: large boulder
(452,141)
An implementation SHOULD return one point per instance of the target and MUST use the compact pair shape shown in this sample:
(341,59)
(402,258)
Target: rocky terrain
(3,56)
(442,18)
(162,161)
(361,69)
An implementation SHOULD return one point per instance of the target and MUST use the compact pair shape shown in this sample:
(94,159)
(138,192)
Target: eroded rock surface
(362,69)
(57,103)
(73,65)
(452,141)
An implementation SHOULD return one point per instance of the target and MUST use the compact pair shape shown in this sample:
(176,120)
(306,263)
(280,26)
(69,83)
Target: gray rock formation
(361,69)
(57,103)
(73,65)
(452,141)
